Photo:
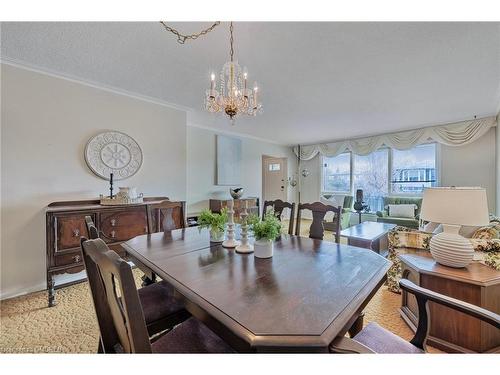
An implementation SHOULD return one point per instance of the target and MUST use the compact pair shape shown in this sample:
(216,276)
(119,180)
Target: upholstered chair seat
(192,336)
(158,303)
(383,341)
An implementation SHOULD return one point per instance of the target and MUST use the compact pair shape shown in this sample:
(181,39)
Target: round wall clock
(113,152)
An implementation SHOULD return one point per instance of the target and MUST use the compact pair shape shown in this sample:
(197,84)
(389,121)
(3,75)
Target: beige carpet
(28,326)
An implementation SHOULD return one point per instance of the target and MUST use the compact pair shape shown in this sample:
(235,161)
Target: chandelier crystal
(230,94)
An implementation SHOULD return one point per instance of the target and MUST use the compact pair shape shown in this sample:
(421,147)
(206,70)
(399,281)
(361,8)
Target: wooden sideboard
(65,224)
(216,205)
(450,330)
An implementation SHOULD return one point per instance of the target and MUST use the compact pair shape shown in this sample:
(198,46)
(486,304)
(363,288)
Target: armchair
(375,339)
(345,216)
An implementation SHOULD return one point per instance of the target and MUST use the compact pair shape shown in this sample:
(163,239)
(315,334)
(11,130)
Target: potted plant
(265,232)
(215,222)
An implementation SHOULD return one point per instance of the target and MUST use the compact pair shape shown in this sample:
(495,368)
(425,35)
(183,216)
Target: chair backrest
(91,228)
(166,216)
(116,301)
(319,211)
(278,206)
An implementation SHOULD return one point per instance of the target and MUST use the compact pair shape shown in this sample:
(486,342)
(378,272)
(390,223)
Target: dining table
(299,300)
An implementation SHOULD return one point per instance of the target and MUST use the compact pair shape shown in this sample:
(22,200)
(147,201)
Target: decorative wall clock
(113,152)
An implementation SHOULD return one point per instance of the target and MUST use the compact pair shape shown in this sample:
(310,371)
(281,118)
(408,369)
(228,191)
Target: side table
(452,331)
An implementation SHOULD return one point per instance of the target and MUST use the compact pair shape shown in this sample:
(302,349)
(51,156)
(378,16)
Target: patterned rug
(27,325)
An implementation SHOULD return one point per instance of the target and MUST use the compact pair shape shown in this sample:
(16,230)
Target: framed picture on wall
(228,163)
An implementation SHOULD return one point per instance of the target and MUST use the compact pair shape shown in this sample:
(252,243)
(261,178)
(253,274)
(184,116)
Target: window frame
(437,163)
(322,180)
(390,159)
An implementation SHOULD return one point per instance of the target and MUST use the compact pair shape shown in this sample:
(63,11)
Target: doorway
(274,178)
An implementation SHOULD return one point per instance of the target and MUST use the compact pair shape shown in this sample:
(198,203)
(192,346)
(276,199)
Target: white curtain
(456,134)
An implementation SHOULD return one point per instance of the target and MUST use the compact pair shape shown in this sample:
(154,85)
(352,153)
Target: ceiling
(319,81)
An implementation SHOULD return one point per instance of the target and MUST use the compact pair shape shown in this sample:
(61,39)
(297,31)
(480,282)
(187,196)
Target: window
(274,167)
(370,173)
(337,173)
(414,169)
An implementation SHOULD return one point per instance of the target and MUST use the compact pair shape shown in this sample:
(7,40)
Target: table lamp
(453,207)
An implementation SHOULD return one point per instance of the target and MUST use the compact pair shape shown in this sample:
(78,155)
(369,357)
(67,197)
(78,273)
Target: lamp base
(451,249)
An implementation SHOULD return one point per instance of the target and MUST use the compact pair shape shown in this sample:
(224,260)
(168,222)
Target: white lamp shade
(455,205)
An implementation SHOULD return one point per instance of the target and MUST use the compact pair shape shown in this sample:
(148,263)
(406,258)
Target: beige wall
(201,167)
(497,169)
(46,122)
(471,165)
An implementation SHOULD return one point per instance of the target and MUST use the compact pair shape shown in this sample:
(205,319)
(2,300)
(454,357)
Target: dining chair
(91,228)
(121,316)
(375,339)
(319,211)
(161,309)
(166,216)
(278,206)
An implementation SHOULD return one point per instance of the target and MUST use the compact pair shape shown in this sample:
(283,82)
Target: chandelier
(231,94)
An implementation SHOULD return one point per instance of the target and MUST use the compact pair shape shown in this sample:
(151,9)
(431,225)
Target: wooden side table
(368,235)
(450,330)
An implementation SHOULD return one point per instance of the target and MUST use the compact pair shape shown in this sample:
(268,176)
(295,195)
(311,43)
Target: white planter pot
(216,236)
(263,248)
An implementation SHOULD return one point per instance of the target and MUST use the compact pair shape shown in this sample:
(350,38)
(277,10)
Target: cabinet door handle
(113,222)
(76,232)
(77,258)
(113,234)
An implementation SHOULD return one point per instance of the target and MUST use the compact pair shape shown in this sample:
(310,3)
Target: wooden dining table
(299,300)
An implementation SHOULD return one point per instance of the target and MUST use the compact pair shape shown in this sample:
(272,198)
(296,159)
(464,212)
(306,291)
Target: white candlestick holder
(230,242)
(244,247)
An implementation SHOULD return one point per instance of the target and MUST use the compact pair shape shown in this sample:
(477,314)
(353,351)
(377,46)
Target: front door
(274,176)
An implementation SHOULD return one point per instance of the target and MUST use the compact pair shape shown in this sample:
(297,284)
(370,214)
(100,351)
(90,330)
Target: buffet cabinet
(65,225)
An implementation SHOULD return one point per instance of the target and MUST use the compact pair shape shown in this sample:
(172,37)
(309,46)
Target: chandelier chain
(181,38)
(231,40)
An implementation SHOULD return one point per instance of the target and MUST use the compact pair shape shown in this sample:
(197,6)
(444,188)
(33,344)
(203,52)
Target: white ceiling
(319,81)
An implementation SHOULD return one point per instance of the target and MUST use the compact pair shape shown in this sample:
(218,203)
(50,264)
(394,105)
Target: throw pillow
(402,210)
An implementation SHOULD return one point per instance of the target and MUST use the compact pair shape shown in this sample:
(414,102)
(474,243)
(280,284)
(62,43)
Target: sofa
(383,216)
(346,210)
(402,240)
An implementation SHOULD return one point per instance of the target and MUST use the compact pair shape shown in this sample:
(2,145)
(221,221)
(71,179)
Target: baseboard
(17,292)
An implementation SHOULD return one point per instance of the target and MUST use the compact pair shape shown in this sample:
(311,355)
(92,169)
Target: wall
(46,122)
(201,167)
(497,169)
(470,165)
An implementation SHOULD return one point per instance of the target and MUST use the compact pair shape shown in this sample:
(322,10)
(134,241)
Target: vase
(216,235)
(263,248)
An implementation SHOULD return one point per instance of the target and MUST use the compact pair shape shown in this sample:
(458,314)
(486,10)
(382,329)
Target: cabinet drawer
(68,259)
(69,229)
(123,225)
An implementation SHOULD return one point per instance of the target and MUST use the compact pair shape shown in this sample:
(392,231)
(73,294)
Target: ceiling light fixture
(231,94)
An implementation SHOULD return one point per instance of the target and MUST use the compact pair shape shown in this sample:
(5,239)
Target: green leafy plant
(269,228)
(214,221)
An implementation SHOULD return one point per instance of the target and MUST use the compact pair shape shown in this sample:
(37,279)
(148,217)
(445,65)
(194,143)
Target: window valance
(455,134)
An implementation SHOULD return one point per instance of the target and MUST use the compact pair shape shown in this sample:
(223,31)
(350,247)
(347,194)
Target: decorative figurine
(230,242)
(244,247)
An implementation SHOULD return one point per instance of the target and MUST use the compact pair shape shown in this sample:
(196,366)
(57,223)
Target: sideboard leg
(357,325)
(51,291)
